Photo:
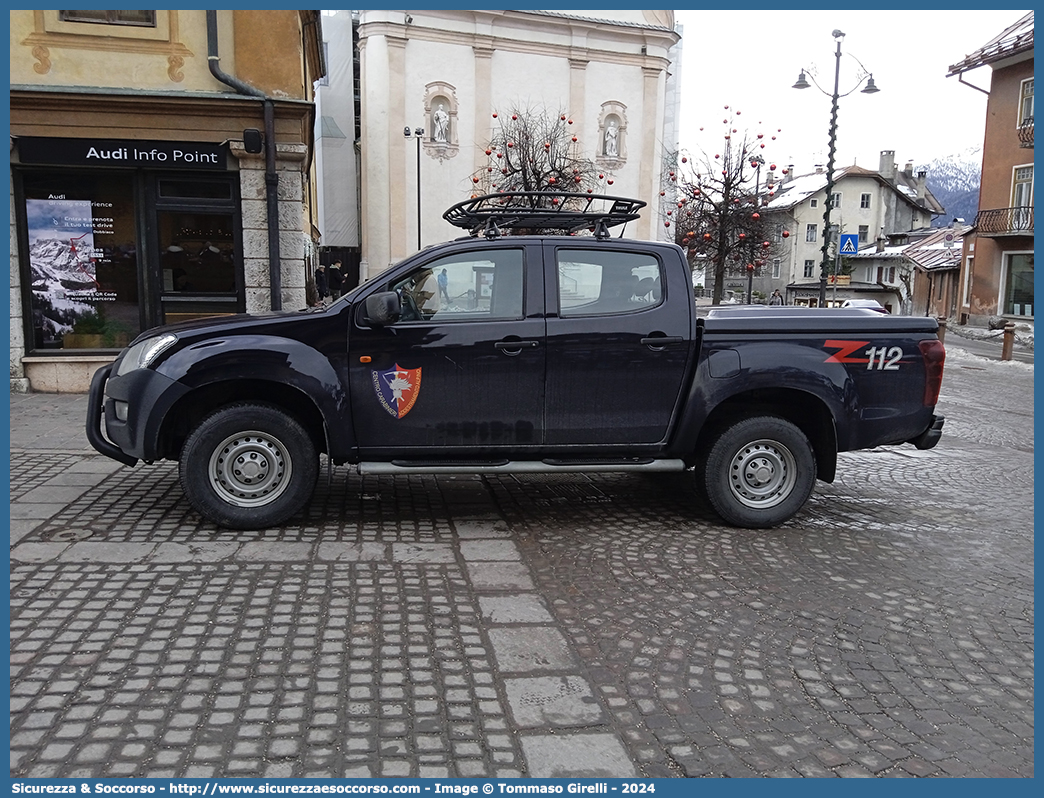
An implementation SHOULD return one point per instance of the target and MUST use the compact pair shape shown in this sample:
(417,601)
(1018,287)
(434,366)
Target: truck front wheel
(758,472)
(248,466)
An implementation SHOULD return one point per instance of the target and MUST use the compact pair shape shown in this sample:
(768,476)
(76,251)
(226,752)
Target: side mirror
(382,309)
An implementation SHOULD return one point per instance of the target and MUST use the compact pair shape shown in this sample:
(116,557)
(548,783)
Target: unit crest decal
(397,389)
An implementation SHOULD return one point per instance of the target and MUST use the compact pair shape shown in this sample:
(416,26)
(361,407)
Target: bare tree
(716,205)
(533,150)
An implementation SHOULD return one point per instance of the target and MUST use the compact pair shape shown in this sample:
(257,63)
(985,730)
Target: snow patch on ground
(956,355)
(1023,333)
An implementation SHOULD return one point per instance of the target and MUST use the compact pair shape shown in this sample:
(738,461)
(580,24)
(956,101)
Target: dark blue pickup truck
(521,353)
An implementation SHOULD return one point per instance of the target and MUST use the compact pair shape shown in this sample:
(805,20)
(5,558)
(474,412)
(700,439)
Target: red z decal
(845,348)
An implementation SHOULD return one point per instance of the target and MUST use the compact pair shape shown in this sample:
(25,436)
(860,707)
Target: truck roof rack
(542,210)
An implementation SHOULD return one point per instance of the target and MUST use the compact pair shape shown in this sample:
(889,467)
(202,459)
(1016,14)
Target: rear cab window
(593,282)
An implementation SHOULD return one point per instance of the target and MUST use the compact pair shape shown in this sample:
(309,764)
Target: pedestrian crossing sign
(849,244)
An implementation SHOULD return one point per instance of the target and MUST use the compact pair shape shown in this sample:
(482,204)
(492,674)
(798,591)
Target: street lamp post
(757,161)
(418,133)
(871,88)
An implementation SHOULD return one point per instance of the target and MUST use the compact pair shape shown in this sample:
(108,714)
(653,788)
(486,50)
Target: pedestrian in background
(321,288)
(334,280)
(776,298)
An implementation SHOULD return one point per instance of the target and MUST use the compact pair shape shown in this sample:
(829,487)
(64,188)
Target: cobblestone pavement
(602,625)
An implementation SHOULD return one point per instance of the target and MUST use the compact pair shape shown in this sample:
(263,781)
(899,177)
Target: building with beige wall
(603,68)
(160,171)
(881,206)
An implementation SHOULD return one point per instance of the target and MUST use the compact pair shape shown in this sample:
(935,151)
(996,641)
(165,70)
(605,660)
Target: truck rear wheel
(248,466)
(758,472)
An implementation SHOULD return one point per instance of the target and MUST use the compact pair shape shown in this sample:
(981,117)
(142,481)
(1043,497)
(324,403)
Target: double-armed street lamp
(871,88)
(756,162)
(419,133)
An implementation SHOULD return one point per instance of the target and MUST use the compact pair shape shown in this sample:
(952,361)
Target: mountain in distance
(954,180)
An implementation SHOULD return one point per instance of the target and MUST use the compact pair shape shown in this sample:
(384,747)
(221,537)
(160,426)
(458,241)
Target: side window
(597,282)
(469,286)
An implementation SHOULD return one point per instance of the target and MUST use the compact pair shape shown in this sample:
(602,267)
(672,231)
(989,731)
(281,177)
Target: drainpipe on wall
(271,178)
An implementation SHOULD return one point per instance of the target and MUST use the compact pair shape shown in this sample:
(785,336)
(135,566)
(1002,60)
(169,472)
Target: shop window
(83,260)
(1018,285)
(145,19)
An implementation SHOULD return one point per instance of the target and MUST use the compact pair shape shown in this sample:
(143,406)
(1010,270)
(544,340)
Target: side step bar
(549,466)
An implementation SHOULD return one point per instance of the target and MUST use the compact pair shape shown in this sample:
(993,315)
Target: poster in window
(63,264)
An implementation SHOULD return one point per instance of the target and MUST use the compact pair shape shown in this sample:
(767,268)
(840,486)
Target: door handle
(514,347)
(662,340)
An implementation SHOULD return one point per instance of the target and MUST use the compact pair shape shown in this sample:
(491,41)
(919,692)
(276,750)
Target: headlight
(144,352)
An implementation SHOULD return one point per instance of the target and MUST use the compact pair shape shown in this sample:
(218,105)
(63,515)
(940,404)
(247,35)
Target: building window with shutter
(144,19)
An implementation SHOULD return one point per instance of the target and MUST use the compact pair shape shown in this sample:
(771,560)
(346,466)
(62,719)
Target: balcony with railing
(1026,133)
(1005,222)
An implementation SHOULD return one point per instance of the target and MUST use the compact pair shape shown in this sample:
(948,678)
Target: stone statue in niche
(612,147)
(440,124)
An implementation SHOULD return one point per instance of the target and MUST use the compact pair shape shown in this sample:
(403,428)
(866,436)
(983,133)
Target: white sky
(749,60)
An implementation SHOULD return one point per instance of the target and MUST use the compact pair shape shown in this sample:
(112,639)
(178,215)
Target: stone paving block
(274,551)
(352,552)
(87,551)
(50,493)
(558,701)
(427,553)
(517,608)
(528,649)
(96,465)
(193,552)
(33,510)
(500,576)
(37,552)
(476,550)
(576,756)
(468,529)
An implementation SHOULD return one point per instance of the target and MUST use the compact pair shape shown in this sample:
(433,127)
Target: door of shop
(195,239)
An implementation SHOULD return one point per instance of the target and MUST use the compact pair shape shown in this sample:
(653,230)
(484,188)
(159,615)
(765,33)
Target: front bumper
(134,433)
(931,436)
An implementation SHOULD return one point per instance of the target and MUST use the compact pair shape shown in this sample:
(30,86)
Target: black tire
(248,466)
(758,472)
